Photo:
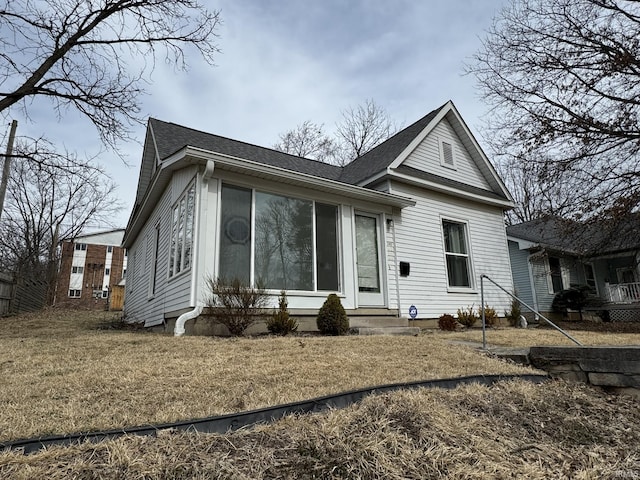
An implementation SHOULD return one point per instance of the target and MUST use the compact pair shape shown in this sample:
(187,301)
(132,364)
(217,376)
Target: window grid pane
(457,258)
(283,242)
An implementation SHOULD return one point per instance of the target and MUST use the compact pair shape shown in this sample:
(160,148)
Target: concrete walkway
(516,355)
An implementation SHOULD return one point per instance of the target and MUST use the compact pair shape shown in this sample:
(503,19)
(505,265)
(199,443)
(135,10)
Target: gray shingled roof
(171,138)
(414,172)
(596,237)
(379,158)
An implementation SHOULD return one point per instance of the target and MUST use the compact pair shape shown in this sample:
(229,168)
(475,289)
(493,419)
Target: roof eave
(193,155)
(505,204)
(303,179)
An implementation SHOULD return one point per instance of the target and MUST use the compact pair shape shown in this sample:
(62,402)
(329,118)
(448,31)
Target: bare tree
(360,129)
(49,201)
(308,140)
(563,78)
(94,56)
(364,127)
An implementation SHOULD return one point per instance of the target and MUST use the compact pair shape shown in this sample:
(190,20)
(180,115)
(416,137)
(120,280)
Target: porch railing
(622,292)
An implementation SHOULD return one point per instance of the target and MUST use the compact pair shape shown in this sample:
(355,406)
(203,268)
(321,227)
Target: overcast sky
(287,61)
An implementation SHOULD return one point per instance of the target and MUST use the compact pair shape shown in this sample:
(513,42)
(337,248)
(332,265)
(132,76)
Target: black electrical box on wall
(405,269)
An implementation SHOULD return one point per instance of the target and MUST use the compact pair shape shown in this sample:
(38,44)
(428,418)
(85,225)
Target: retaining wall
(612,367)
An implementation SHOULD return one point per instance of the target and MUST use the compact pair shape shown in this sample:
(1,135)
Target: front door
(370,291)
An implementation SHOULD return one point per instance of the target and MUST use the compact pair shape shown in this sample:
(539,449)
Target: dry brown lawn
(510,430)
(516,337)
(62,373)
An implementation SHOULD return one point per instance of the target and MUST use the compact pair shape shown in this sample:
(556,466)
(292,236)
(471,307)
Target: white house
(414,222)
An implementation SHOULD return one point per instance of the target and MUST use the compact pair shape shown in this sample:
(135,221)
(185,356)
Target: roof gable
(379,158)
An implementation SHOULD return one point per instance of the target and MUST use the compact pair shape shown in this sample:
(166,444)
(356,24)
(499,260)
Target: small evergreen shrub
(280,323)
(332,319)
(234,304)
(447,323)
(490,316)
(467,317)
(513,315)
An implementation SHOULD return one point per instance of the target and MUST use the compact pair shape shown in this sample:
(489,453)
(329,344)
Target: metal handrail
(484,334)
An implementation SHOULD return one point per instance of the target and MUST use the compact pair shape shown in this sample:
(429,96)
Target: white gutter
(178,330)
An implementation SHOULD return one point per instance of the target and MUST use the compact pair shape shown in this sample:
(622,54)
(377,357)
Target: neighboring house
(90,266)
(551,254)
(415,221)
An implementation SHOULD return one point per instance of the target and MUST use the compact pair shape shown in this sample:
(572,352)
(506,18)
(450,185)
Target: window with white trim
(590,278)
(107,272)
(75,293)
(81,246)
(291,243)
(554,275)
(154,266)
(182,231)
(109,249)
(456,249)
(447,158)
(76,269)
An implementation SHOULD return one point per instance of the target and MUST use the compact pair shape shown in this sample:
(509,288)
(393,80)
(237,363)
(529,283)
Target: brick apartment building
(90,266)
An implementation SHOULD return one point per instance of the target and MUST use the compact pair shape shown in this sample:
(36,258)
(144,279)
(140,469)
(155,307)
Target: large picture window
(182,231)
(293,242)
(457,254)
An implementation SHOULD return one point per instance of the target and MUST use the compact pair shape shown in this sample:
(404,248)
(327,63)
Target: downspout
(179,329)
(395,261)
(534,294)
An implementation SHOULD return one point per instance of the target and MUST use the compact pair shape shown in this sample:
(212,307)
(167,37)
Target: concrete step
(377,321)
(410,331)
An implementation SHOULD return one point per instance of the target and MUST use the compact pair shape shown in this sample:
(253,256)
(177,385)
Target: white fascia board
(449,107)
(451,190)
(421,136)
(182,158)
(523,244)
(303,179)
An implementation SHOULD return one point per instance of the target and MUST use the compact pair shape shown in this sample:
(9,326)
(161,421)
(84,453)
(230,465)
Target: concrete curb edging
(234,421)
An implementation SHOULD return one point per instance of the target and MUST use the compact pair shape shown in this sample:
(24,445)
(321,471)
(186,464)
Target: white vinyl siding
(429,157)
(170,294)
(419,242)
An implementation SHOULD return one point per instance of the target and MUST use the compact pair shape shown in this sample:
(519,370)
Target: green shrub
(280,323)
(447,323)
(234,304)
(467,317)
(490,316)
(332,319)
(513,315)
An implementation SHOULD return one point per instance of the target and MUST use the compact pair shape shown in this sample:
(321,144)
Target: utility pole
(7,165)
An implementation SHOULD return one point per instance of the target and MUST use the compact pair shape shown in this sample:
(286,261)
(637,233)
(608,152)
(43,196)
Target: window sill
(178,275)
(304,293)
(461,290)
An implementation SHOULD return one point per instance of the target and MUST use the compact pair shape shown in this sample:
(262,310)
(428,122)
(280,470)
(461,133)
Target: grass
(61,373)
(511,430)
(515,337)
(65,372)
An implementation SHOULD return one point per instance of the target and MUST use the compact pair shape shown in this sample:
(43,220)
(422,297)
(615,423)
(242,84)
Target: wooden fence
(19,294)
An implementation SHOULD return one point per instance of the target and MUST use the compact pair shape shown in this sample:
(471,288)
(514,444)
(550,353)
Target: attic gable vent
(447,154)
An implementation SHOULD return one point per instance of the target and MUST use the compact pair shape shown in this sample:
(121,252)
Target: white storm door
(370,291)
